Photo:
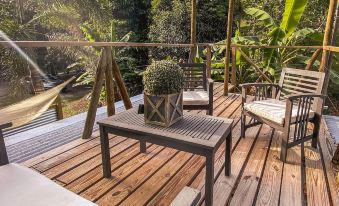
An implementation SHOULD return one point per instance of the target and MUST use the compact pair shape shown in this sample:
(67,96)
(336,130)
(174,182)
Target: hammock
(27,110)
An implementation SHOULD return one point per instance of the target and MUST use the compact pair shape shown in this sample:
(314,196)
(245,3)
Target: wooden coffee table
(197,134)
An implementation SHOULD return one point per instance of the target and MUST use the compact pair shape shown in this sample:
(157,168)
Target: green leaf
(294,9)
(262,16)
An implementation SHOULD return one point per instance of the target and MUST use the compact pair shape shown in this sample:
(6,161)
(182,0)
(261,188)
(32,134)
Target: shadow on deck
(155,178)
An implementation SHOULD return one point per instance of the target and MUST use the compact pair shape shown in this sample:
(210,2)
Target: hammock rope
(29,109)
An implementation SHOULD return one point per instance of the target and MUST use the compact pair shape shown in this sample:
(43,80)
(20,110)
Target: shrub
(163,77)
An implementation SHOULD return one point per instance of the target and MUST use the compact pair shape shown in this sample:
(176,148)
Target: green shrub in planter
(163,77)
(163,84)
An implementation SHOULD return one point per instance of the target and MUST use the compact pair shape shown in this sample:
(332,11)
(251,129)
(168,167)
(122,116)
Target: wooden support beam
(234,66)
(327,34)
(255,66)
(193,30)
(209,60)
(313,59)
(121,85)
(99,79)
(228,45)
(58,107)
(109,83)
(333,42)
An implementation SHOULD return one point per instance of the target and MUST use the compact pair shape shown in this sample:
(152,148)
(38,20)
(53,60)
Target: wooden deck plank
(316,187)
(125,159)
(153,185)
(246,190)
(156,177)
(130,176)
(61,157)
(77,160)
(291,186)
(328,166)
(269,190)
(224,185)
(184,176)
(87,166)
(128,186)
(59,150)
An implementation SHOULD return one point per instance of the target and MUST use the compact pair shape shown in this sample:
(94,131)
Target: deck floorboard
(157,176)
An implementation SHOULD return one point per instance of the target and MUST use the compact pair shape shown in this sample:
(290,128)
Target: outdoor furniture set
(291,105)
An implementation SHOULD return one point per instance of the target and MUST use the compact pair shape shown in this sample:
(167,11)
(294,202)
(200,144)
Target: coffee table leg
(106,160)
(228,151)
(209,180)
(142,146)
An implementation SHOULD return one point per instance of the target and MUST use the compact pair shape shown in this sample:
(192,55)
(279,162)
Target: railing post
(58,107)
(234,67)
(99,79)
(209,60)
(109,83)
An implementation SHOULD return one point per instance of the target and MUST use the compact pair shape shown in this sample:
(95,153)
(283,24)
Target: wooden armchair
(295,101)
(198,89)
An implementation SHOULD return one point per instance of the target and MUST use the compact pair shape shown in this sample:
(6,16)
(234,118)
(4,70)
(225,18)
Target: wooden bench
(23,186)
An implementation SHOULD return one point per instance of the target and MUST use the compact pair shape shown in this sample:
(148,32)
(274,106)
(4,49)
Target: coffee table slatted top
(203,130)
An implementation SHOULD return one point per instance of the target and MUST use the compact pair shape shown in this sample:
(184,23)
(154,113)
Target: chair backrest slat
(195,76)
(297,81)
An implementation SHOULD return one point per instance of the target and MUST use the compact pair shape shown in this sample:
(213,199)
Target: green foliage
(163,77)
(294,9)
(211,20)
(170,24)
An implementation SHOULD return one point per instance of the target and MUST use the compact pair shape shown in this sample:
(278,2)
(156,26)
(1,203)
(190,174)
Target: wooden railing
(108,68)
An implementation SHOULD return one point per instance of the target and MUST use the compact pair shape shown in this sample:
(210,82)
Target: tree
(170,24)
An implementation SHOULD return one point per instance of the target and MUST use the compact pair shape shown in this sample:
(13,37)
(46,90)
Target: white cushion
(22,186)
(195,98)
(273,110)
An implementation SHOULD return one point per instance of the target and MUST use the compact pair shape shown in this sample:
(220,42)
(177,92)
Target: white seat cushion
(195,98)
(23,186)
(273,110)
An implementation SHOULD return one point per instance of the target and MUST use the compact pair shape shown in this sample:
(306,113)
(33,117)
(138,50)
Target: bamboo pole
(39,44)
(313,59)
(109,83)
(333,42)
(255,66)
(99,79)
(327,36)
(193,30)
(121,85)
(228,45)
(209,60)
(234,67)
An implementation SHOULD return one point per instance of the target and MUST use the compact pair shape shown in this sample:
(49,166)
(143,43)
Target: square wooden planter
(163,110)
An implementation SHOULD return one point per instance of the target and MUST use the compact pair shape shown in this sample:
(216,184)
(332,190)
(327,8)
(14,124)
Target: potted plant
(163,83)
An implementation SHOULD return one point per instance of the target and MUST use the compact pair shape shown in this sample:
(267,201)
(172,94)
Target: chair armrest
(257,86)
(306,101)
(210,84)
(299,96)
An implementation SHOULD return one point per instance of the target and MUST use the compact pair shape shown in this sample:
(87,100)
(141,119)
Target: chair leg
(283,149)
(209,112)
(315,134)
(243,122)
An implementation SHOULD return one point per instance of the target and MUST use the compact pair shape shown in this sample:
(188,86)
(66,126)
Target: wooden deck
(258,176)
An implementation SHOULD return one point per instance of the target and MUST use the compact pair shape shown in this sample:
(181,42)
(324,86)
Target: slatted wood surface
(157,177)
